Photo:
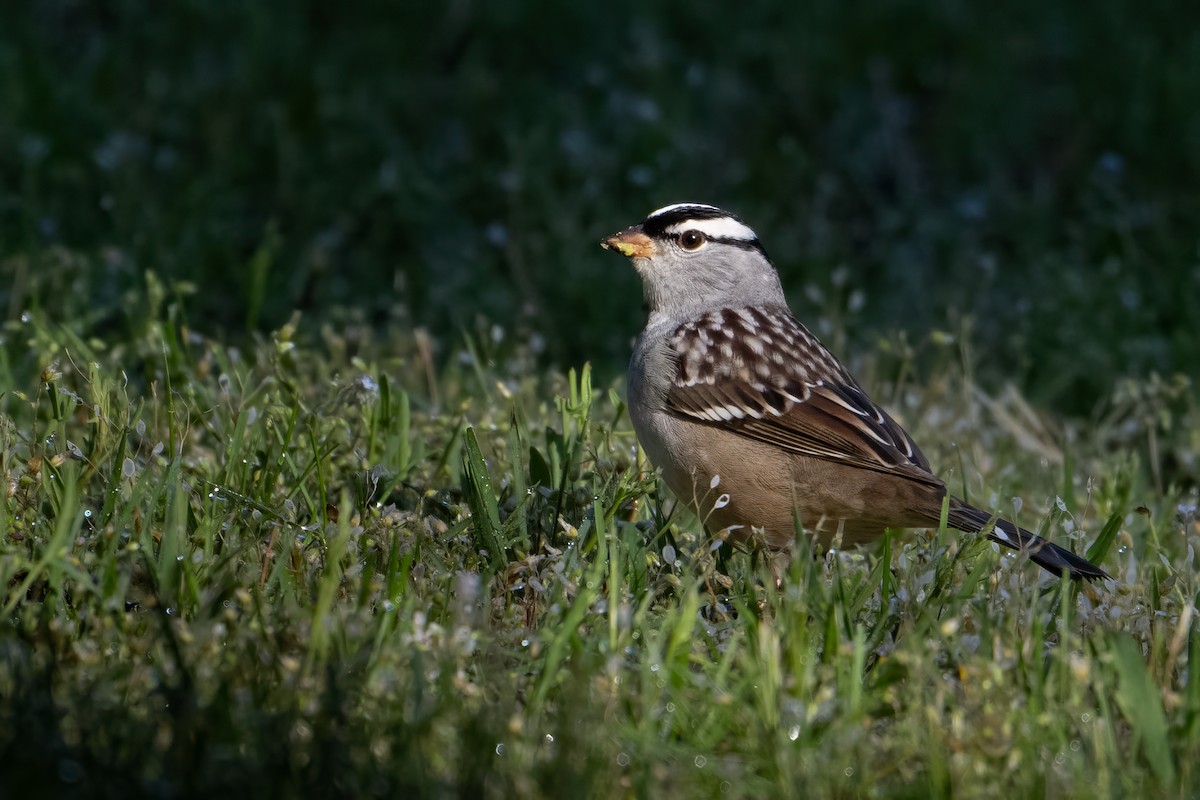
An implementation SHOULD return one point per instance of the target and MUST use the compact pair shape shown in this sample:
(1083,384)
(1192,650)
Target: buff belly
(755,490)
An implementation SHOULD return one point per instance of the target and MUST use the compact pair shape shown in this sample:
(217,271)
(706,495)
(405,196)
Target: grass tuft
(304,591)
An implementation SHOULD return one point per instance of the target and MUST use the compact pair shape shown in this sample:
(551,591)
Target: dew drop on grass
(794,732)
(127,468)
(549,737)
(500,749)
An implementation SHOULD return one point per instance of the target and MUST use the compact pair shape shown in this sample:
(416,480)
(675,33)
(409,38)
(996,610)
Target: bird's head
(696,258)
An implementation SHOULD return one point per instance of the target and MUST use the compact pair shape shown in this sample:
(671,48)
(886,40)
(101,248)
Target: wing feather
(786,390)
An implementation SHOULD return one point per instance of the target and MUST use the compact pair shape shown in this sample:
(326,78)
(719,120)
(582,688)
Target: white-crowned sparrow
(753,422)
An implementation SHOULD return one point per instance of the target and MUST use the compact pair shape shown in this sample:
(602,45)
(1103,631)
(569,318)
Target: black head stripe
(741,243)
(656,224)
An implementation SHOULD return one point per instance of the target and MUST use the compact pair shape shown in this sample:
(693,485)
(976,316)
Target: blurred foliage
(1030,166)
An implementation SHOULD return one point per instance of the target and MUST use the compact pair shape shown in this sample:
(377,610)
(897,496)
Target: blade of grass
(481,497)
(1141,704)
(1104,542)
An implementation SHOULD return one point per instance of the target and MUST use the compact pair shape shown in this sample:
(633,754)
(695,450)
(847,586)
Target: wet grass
(307,489)
(318,565)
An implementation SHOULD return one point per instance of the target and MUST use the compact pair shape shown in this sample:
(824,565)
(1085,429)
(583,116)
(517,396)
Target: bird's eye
(691,240)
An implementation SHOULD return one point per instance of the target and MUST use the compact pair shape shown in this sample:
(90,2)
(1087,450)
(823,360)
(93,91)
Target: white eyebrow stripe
(675,206)
(720,228)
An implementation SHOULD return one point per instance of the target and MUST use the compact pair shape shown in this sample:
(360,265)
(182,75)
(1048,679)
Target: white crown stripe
(677,206)
(720,228)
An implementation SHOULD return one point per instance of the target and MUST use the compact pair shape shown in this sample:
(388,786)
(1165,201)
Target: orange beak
(630,242)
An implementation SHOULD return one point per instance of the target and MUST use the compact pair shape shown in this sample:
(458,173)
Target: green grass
(307,489)
(288,569)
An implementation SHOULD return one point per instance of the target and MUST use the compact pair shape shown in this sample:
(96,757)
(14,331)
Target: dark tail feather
(1045,554)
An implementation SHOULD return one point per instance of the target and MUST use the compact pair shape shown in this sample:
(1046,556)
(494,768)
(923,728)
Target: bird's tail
(1045,554)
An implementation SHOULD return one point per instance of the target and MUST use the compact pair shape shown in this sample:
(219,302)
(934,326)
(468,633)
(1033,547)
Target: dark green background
(1033,166)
